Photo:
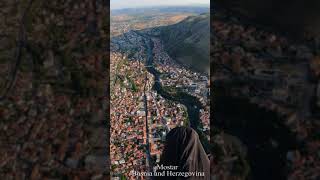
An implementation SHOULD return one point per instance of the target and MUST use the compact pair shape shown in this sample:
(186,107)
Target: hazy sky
(118,4)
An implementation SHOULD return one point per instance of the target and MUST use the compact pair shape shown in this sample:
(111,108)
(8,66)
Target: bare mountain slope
(188,42)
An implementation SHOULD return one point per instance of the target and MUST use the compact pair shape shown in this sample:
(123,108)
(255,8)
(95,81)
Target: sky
(118,4)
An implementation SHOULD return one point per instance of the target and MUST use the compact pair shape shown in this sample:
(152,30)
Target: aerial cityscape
(80,102)
(153,91)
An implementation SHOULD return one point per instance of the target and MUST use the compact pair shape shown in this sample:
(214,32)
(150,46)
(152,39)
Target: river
(192,103)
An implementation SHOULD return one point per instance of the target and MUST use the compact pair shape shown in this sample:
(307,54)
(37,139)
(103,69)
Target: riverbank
(192,104)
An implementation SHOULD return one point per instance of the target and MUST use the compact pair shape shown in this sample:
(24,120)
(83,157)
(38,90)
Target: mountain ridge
(188,42)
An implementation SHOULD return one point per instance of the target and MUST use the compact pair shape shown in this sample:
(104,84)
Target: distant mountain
(188,42)
(161,9)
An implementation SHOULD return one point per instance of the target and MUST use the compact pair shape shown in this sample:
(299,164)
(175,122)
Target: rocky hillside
(188,41)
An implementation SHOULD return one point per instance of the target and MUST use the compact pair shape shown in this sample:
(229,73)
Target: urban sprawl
(140,117)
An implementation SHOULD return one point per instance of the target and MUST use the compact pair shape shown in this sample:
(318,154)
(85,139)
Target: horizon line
(169,5)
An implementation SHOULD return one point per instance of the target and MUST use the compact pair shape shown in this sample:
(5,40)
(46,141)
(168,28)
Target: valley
(168,94)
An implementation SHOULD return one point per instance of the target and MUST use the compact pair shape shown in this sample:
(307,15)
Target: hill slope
(188,42)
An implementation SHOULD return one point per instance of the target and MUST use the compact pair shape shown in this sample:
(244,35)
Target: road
(148,159)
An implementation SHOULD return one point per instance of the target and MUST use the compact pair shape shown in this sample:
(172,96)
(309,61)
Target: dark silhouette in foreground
(183,152)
